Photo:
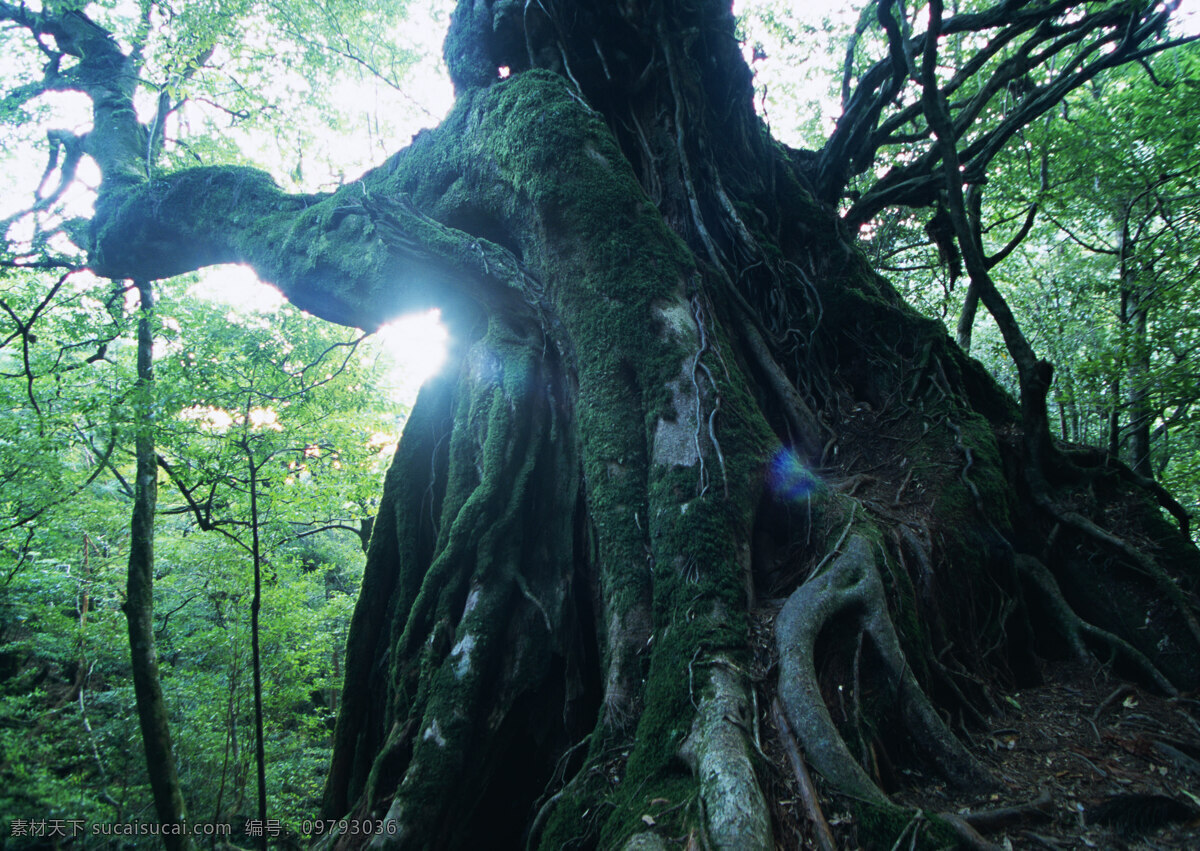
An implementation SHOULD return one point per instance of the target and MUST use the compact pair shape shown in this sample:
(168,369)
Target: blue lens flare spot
(788,478)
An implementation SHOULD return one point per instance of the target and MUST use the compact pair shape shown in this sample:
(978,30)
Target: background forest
(275,427)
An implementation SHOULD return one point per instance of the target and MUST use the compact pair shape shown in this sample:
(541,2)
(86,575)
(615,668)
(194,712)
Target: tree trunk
(1141,416)
(687,433)
(139,599)
(1134,326)
(260,756)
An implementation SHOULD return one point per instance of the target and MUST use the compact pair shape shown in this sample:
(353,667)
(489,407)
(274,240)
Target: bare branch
(1012,244)
(1036,38)
(1034,374)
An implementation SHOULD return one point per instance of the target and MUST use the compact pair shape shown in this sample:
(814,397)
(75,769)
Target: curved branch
(1034,374)
(1093,44)
(338,256)
(350,257)
(105,74)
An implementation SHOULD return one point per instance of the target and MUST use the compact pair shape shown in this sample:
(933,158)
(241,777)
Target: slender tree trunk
(1133,318)
(1140,413)
(1113,420)
(139,600)
(966,317)
(260,757)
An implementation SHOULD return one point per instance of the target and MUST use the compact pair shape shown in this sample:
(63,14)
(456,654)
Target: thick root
(718,753)
(852,584)
(1075,629)
(1144,562)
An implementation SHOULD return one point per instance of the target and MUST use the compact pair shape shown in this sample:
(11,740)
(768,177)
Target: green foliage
(796,66)
(1104,283)
(248,71)
(301,400)
(235,389)
(55,390)
(311,92)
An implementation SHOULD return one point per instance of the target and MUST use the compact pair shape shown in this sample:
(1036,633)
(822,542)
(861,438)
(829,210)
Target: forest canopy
(818,389)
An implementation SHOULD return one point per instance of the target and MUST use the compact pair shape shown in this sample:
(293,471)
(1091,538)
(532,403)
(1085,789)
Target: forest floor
(1084,761)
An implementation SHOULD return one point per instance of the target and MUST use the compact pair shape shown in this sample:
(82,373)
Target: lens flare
(788,478)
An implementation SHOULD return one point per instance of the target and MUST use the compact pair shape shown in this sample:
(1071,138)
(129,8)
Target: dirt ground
(1084,761)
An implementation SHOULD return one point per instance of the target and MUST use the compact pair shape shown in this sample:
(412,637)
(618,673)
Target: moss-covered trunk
(687,433)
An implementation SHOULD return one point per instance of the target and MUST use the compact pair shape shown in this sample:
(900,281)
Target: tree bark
(1140,414)
(260,756)
(139,597)
(1134,325)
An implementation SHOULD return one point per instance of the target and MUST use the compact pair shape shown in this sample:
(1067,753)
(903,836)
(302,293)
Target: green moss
(672,803)
(547,167)
(571,824)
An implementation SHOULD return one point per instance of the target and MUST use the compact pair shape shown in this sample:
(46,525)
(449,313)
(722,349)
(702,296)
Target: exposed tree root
(1075,629)
(1095,460)
(966,834)
(851,585)
(1144,561)
(717,752)
(989,821)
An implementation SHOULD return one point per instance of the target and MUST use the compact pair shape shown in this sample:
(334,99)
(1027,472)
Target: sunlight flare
(413,346)
(416,345)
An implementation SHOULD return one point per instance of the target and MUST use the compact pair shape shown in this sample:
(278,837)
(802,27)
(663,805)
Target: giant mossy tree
(679,396)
